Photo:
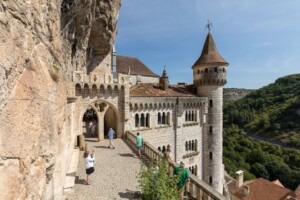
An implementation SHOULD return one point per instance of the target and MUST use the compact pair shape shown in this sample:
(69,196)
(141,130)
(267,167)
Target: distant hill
(272,112)
(232,94)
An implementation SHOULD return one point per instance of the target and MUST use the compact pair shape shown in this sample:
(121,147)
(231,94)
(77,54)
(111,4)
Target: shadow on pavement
(128,155)
(102,147)
(132,195)
(79,181)
(91,139)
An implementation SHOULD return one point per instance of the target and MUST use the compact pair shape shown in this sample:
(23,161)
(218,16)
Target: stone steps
(71,174)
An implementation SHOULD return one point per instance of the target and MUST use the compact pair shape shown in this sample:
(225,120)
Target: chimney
(246,190)
(239,178)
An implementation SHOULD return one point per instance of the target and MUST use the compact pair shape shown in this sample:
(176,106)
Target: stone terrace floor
(115,176)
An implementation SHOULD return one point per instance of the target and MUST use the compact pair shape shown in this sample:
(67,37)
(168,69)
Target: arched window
(210,155)
(196,169)
(147,120)
(102,90)
(77,89)
(198,71)
(86,90)
(186,146)
(210,180)
(196,145)
(211,103)
(142,120)
(137,120)
(159,149)
(190,145)
(193,170)
(195,116)
(169,118)
(164,149)
(206,70)
(163,118)
(186,116)
(189,116)
(192,116)
(158,118)
(193,145)
(216,69)
(94,90)
(210,130)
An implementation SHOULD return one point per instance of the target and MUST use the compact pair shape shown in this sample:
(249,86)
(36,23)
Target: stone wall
(42,43)
(176,131)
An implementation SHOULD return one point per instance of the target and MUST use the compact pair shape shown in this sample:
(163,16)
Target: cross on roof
(208,26)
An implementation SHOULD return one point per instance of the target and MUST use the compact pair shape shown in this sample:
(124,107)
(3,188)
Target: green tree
(259,171)
(156,183)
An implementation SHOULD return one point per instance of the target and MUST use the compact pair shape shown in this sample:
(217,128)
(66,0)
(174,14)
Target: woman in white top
(89,164)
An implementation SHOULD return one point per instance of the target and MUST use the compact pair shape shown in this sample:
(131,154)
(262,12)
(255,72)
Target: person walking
(184,177)
(139,143)
(111,135)
(89,164)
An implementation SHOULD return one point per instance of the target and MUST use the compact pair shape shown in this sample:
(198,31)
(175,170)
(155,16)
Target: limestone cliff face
(41,44)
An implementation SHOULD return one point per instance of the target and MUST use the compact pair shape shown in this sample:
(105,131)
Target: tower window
(210,180)
(210,130)
(210,103)
(210,155)
(216,69)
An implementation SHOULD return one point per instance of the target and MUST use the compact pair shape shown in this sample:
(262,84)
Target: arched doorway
(109,120)
(90,123)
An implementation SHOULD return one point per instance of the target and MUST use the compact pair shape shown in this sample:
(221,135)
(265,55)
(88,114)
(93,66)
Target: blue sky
(259,39)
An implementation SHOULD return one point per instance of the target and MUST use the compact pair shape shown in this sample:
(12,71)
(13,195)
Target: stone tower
(209,75)
(164,81)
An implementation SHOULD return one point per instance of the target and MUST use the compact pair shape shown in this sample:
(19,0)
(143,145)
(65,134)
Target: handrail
(196,188)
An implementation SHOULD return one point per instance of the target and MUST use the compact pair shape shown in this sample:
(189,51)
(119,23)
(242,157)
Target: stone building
(124,94)
(58,72)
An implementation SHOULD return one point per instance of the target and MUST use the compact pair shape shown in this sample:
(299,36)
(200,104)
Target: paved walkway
(115,176)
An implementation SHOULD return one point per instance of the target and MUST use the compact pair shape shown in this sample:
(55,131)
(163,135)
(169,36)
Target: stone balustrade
(196,188)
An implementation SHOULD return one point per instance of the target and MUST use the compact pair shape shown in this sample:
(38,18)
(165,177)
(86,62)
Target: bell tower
(209,76)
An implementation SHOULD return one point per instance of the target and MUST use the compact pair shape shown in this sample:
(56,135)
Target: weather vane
(208,26)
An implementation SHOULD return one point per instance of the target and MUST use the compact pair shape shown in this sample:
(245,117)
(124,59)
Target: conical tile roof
(210,54)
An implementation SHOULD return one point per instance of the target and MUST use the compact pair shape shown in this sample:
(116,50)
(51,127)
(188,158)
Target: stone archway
(108,116)
(90,123)
(109,120)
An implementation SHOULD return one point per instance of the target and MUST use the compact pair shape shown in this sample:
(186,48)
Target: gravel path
(115,175)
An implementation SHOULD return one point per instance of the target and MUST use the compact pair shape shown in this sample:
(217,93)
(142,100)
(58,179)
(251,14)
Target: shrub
(156,183)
